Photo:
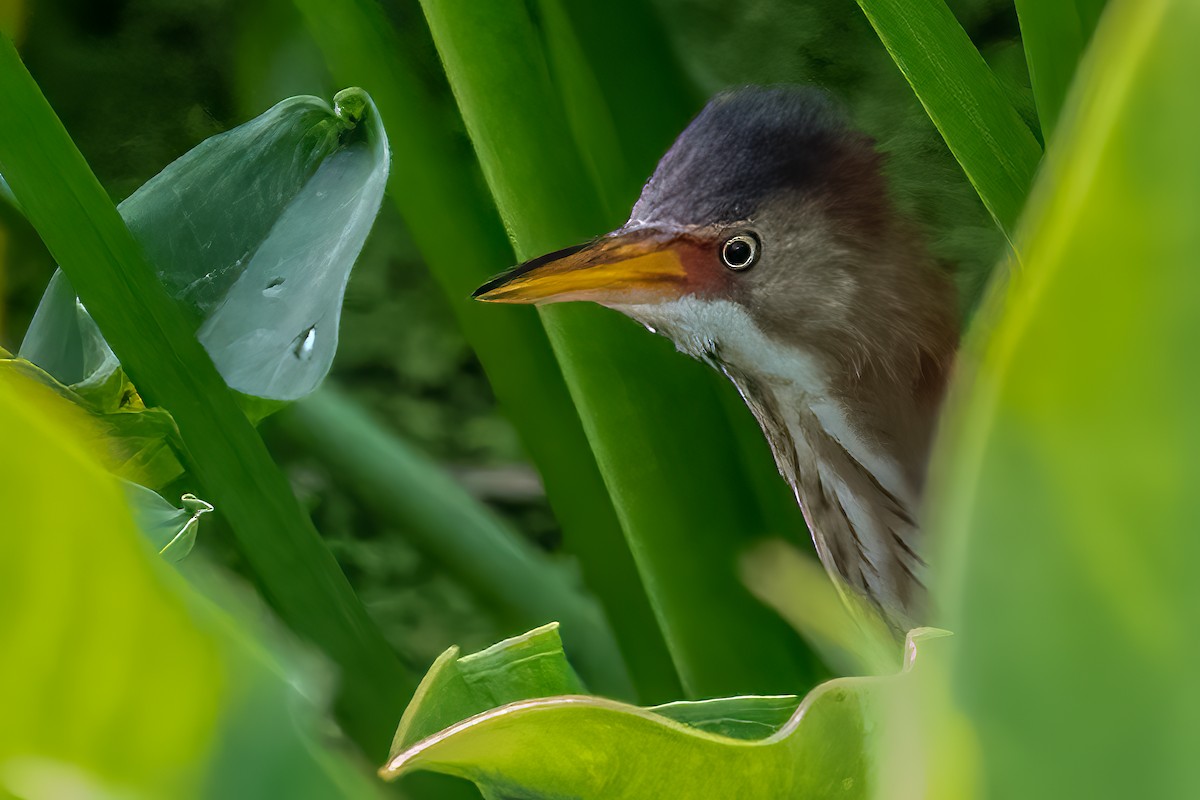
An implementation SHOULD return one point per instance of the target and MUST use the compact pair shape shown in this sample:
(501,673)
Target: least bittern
(765,244)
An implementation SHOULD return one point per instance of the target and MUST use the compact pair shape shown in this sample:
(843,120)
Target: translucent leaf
(64,341)
(1067,494)
(255,231)
(171,530)
(140,444)
(589,747)
(129,682)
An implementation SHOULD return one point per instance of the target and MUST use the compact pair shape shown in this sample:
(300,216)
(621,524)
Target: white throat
(792,375)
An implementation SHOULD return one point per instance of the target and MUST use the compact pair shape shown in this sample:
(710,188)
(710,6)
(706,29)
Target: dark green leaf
(515,580)
(660,435)
(990,140)
(437,189)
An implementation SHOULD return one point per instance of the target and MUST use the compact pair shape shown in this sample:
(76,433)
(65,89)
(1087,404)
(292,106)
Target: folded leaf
(255,231)
(589,747)
(171,530)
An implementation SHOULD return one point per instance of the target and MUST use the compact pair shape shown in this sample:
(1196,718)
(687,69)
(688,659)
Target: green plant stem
(455,226)
(993,145)
(653,114)
(660,437)
(153,340)
(444,521)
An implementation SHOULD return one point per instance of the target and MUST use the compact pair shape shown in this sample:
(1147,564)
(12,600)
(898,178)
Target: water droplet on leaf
(305,343)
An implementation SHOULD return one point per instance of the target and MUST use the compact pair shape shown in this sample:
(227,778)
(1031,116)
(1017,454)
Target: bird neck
(853,445)
(858,489)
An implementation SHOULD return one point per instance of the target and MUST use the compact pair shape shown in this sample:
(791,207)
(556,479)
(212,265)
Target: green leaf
(129,683)
(520,668)
(437,189)
(140,444)
(993,145)
(797,587)
(254,231)
(1055,36)
(154,339)
(1067,495)
(659,434)
(514,579)
(170,530)
(591,748)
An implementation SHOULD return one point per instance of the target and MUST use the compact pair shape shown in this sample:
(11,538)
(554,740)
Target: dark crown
(745,146)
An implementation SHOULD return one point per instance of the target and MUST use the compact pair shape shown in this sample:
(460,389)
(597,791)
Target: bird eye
(741,251)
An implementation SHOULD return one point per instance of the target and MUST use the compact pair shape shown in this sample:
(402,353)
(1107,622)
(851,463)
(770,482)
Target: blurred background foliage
(139,83)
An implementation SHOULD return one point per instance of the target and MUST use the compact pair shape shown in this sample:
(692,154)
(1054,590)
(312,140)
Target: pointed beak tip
(488,291)
(595,271)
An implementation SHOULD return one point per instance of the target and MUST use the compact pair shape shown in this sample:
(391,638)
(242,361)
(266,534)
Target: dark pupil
(737,252)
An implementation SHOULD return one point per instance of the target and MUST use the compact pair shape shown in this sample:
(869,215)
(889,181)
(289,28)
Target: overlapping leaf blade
(155,342)
(454,224)
(1067,500)
(991,142)
(539,745)
(177,675)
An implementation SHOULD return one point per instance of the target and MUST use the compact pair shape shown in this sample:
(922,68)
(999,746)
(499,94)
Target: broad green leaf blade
(515,580)
(255,231)
(453,221)
(171,531)
(153,339)
(1055,36)
(591,748)
(1068,498)
(996,150)
(128,681)
(659,433)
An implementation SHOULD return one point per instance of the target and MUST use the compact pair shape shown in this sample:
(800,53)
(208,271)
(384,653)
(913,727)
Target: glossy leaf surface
(254,231)
(591,748)
(993,145)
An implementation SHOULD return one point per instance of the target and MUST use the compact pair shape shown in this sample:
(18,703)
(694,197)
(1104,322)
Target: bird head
(764,242)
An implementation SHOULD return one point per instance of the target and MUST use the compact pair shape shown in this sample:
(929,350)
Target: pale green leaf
(128,683)
(170,530)
(1067,497)
(597,749)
